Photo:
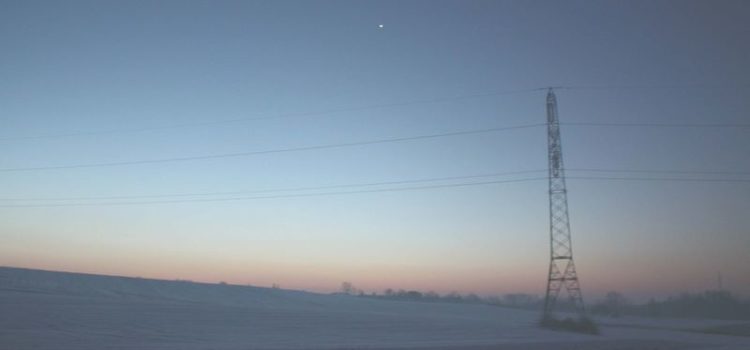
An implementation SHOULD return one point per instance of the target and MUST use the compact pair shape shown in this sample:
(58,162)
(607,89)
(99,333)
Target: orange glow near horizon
(328,278)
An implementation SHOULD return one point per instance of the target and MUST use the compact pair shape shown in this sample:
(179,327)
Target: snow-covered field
(52,310)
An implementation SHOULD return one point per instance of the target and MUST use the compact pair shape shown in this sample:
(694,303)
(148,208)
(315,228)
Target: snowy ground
(50,310)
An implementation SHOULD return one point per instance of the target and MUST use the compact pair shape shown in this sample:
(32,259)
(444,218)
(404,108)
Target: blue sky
(73,67)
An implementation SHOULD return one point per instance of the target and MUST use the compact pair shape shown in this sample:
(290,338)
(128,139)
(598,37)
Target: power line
(671,179)
(347,144)
(655,87)
(660,125)
(382,106)
(288,189)
(399,189)
(395,182)
(647,171)
(271,117)
(271,151)
(396,189)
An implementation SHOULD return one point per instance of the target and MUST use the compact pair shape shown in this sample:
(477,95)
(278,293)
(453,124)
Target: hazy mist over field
(402,148)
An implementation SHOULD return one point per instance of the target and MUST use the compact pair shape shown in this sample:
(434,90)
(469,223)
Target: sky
(87,84)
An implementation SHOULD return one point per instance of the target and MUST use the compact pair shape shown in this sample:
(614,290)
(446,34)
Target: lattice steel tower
(562,269)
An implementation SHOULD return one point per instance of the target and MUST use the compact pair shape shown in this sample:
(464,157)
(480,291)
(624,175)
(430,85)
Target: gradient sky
(75,66)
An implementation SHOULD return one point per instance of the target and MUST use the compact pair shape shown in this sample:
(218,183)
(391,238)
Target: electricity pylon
(562,269)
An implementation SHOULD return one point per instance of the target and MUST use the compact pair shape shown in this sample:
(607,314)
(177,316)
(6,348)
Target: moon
(380,26)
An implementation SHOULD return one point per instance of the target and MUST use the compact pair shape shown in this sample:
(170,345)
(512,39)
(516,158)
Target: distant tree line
(518,300)
(710,304)
(413,295)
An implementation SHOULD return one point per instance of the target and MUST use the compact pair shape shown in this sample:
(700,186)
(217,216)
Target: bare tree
(348,288)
